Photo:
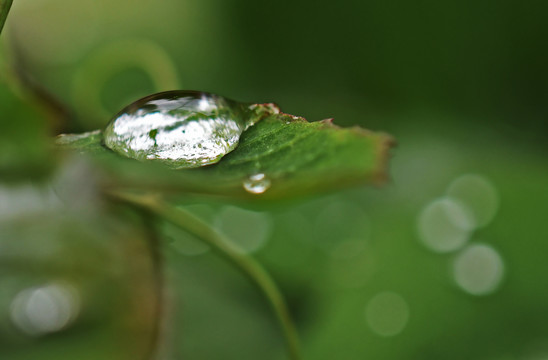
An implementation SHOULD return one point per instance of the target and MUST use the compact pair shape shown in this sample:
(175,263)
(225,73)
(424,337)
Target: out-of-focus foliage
(446,262)
(22,140)
(76,279)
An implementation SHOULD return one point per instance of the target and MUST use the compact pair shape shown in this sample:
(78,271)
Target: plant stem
(5,6)
(251,268)
(156,344)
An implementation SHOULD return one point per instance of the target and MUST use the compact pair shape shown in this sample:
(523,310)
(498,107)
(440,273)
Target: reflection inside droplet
(257,183)
(444,225)
(478,269)
(46,309)
(387,313)
(478,194)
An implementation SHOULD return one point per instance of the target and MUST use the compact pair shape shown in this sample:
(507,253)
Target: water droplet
(387,313)
(478,269)
(45,309)
(182,129)
(257,183)
(444,225)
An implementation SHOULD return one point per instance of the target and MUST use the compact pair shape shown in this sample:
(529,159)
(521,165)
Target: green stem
(245,263)
(5,6)
(155,347)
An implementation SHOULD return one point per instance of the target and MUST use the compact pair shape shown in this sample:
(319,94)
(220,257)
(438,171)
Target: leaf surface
(296,157)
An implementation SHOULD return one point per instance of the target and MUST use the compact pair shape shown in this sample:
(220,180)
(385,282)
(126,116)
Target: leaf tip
(328,121)
(381,175)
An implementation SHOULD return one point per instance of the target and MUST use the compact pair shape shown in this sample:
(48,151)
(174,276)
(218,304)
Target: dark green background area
(469,57)
(461,85)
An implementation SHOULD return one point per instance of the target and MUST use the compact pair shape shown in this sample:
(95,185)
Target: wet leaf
(291,155)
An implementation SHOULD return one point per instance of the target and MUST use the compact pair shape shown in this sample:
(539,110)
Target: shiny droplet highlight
(182,129)
(257,183)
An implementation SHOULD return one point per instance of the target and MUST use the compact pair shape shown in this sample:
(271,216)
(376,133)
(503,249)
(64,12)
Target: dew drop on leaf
(256,183)
(182,128)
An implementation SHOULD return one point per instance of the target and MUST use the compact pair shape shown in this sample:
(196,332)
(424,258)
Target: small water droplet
(182,129)
(257,183)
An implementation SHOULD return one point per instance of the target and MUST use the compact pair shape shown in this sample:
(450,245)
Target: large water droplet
(182,129)
(257,184)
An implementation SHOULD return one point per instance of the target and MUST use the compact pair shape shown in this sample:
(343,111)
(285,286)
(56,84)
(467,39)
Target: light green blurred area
(447,261)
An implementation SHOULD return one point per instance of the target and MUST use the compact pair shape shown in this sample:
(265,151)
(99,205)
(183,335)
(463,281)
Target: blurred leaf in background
(23,139)
(76,280)
(447,261)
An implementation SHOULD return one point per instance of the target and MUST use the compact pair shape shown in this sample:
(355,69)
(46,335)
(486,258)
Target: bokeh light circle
(478,269)
(387,314)
(444,225)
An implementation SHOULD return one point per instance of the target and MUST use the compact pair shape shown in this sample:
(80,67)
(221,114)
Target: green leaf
(89,142)
(300,156)
(5,6)
(296,156)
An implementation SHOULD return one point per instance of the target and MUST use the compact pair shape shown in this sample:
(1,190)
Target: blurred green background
(447,261)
